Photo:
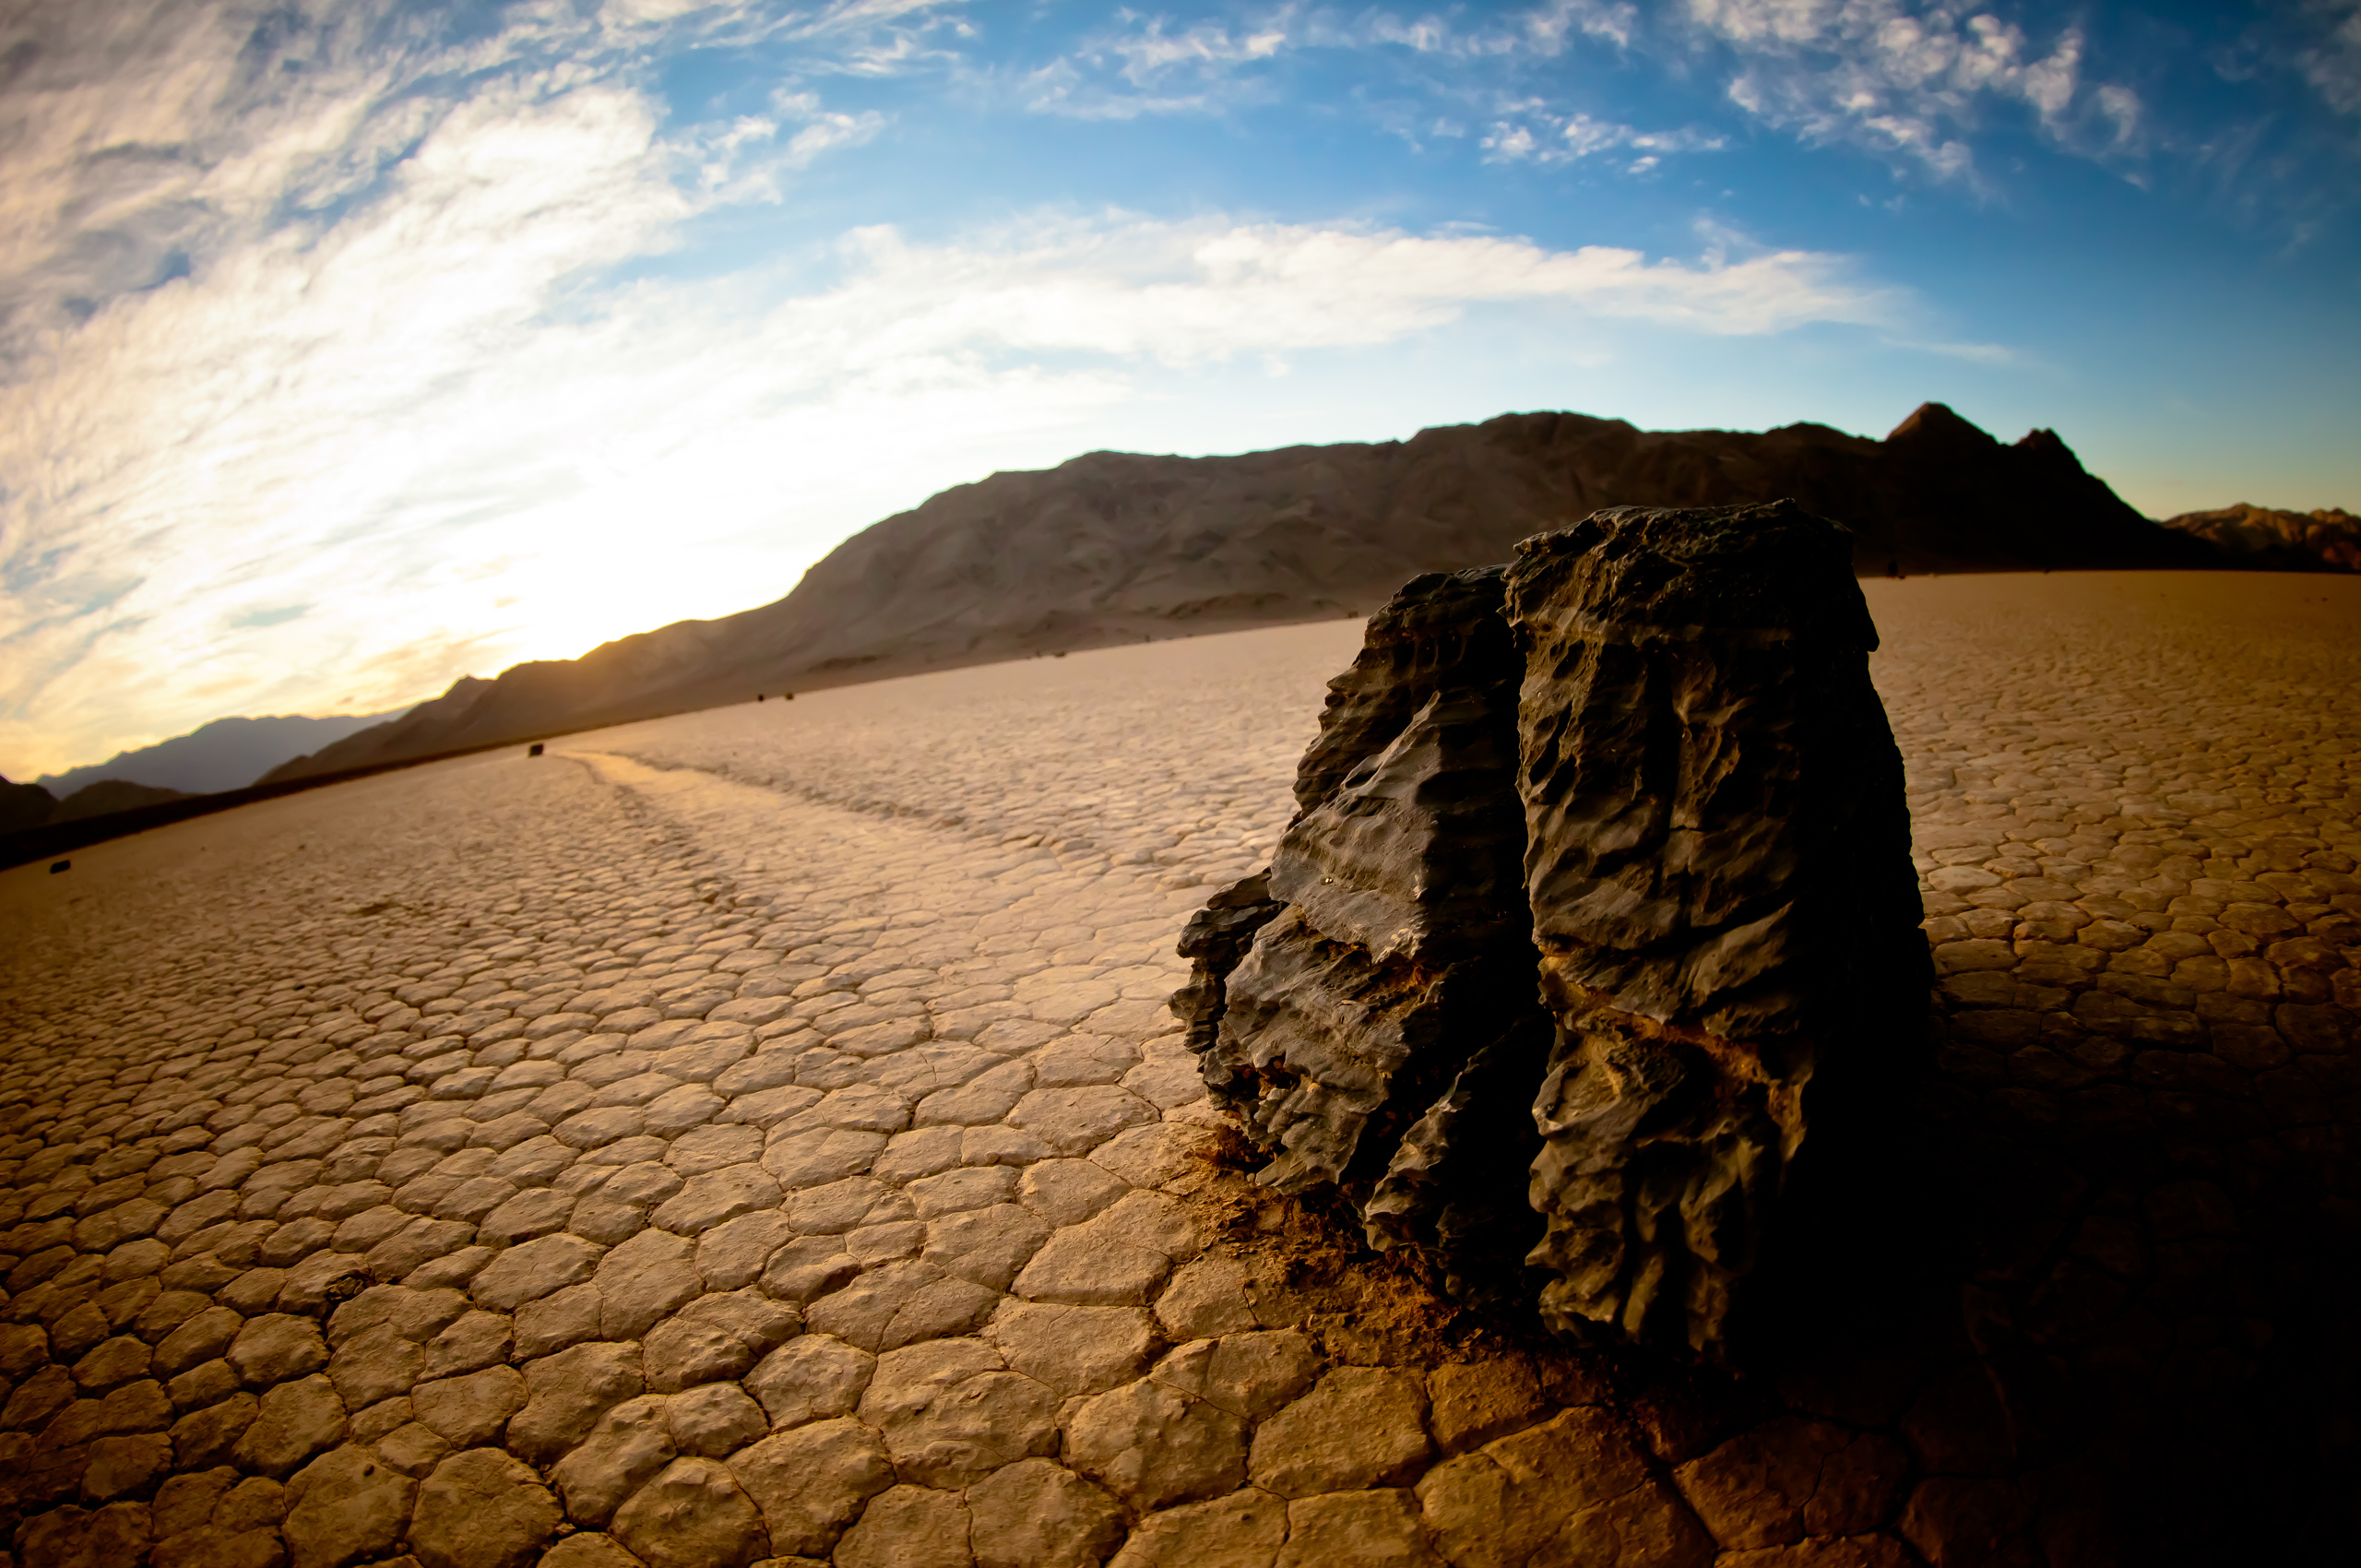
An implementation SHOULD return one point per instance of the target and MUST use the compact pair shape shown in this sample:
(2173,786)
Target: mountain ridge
(224,753)
(2325,540)
(1114,547)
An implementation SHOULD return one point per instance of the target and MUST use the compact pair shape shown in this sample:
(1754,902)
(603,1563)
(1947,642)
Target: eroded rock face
(1598,893)
(1388,947)
(1718,856)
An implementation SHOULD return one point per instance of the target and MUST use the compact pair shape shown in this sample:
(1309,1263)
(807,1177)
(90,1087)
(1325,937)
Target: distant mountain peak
(222,753)
(1933,424)
(1110,547)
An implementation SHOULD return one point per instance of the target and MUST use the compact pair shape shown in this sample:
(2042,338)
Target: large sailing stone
(1718,859)
(1597,899)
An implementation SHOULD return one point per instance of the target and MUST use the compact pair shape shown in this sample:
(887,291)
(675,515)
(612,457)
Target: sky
(350,347)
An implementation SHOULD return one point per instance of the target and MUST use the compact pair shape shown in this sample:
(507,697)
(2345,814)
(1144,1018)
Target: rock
(465,1411)
(1456,1188)
(715,1420)
(1154,1445)
(1356,1526)
(1401,876)
(1072,1350)
(1398,942)
(1359,1427)
(951,1414)
(566,1392)
(627,1446)
(909,1526)
(292,1422)
(1214,941)
(812,1482)
(1035,1514)
(346,1506)
(1646,764)
(1244,1531)
(693,1515)
(1717,987)
(811,1378)
(481,1509)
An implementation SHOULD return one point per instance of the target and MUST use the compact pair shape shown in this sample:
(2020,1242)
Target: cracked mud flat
(757,1135)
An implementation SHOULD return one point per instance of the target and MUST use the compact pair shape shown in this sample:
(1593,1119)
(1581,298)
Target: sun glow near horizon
(351,353)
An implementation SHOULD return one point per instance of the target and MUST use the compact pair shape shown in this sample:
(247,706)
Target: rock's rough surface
(1718,857)
(1643,768)
(1389,948)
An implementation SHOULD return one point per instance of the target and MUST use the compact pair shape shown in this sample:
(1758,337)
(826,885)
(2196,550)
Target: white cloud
(1905,80)
(386,424)
(317,387)
(1531,132)
(1164,67)
(2333,62)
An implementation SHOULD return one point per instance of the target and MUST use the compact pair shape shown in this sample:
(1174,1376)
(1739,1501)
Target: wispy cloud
(2331,62)
(1154,65)
(395,413)
(1530,131)
(1911,81)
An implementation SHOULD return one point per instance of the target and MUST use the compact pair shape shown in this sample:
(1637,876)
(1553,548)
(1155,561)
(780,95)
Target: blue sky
(349,348)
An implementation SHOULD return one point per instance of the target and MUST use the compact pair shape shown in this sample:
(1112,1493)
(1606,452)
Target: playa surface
(757,1135)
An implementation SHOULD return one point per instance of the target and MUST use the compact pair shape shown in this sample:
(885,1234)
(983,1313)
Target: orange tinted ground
(756,1133)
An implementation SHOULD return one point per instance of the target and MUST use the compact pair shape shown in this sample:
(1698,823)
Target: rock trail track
(758,1135)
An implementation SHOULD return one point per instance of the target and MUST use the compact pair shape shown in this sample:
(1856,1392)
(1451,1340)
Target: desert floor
(757,1135)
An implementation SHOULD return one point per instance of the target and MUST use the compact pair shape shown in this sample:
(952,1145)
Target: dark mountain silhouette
(30,805)
(1113,547)
(228,753)
(24,805)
